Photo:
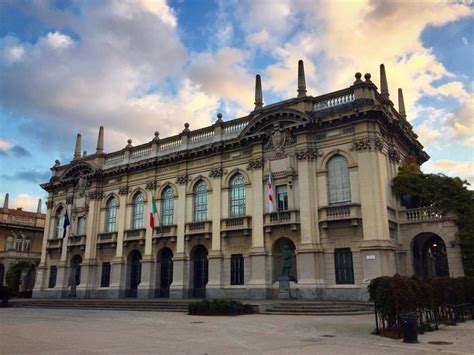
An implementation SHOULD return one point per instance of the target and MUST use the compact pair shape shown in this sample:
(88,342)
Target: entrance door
(200,264)
(166,272)
(135,273)
(75,275)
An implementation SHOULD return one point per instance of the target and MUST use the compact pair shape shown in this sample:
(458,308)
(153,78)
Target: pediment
(267,121)
(76,171)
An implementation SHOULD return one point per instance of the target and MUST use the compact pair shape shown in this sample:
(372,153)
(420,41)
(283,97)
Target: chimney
(301,80)
(77,149)
(258,93)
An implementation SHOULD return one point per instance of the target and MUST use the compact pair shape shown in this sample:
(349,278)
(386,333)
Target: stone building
(21,237)
(332,159)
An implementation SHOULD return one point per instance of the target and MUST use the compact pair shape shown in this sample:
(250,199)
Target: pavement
(72,331)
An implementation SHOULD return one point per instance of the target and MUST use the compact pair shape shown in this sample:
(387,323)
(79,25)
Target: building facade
(331,160)
(21,238)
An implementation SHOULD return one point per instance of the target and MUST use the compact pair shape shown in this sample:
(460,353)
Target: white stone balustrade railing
(423,214)
(235,126)
(202,135)
(170,143)
(140,151)
(327,102)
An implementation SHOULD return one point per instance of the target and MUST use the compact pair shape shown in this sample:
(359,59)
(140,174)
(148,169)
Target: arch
(429,256)
(200,269)
(134,273)
(138,210)
(200,201)
(196,180)
(338,180)
(164,186)
(108,197)
(284,259)
(349,157)
(237,196)
(57,207)
(77,170)
(286,117)
(164,271)
(132,195)
(235,171)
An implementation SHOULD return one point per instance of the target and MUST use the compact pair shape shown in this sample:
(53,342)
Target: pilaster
(179,286)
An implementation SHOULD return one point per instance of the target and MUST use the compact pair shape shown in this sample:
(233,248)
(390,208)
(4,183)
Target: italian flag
(153,213)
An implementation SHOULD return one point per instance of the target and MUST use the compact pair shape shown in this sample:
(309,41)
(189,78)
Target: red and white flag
(270,193)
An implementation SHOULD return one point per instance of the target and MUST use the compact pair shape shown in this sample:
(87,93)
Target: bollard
(408,322)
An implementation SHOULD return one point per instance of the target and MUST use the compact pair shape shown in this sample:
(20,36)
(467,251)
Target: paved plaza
(64,331)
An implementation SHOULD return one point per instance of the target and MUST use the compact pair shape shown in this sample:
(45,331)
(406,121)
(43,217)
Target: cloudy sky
(146,65)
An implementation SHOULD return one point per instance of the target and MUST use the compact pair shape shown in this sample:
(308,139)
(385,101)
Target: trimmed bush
(218,307)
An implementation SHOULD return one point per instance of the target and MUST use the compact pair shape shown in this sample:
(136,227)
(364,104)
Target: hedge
(218,307)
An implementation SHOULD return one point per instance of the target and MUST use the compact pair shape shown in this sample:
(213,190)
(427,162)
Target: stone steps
(319,308)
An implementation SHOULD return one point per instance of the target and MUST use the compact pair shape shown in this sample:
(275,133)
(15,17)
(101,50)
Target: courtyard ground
(64,331)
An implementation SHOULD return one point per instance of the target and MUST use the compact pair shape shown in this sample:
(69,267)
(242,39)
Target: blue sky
(140,66)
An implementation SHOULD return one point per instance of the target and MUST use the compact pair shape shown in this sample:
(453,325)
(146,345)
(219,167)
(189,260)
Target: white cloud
(58,40)
(5,145)
(463,169)
(25,201)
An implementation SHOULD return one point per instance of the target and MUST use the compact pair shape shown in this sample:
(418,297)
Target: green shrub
(14,274)
(217,307)
(5,295)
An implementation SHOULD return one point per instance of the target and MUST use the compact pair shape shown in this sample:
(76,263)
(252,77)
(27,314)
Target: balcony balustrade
(107,239)
(236,224)
(54,245)
(282,218)
(350,212)
(163,232)
(203,228)
(77,241)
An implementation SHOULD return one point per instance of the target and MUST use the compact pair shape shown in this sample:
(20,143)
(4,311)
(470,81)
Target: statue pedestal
(284,288)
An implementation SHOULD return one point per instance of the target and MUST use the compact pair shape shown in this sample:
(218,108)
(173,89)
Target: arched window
(111,215)
(27,245)
(167,206)
(60,215)
(137,215)
(19,244)
(339,186)
(237,196)
(200,201)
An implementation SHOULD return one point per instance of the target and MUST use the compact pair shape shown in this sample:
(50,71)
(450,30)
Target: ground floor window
(53,273)
(237,269)
(105,279)
(344,266)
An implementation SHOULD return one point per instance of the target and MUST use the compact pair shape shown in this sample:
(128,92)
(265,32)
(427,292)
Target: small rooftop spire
(5,201)
(258,93)
(401,104)
(38,209)
(383,82)
(77,149)
(301,80)
(100,141)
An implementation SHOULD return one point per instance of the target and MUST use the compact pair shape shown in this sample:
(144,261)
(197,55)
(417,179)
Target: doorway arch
(134,272)
(75,274)
(280,246)
(165,272)
(200,271)
(429,256)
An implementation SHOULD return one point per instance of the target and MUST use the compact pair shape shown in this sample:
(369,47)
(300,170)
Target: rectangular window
(105,279)
(53,273)
(237,269)
(81,225)
(282,197)
(344,266)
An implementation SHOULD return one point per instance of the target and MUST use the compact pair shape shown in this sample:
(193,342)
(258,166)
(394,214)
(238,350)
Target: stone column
(119,265)
(146,289)
(41,281)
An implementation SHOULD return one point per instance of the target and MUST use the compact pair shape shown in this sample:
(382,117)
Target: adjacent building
(21,237)
(331,159)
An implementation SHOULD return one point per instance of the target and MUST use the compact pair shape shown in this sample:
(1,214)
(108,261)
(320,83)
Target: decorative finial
(57,163)
(129,145)
(258,93)
(186,128)
(219,118)
(358,76)
(38,209)
(157,136)
(301,80)
(383,82)
(77,148)
(5,201)
(100,141)
(401,104)
(84,153)
(367,77)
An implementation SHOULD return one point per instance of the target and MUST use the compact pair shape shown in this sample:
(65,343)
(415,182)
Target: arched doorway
(134,272)
(74,274)
(165,272)
(2,274)
(200,271)
(284,259)
(429,256)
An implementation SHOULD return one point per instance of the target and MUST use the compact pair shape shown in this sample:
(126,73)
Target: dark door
(200,272)
(135,273)
(75,275)
(166,272)
(2,273)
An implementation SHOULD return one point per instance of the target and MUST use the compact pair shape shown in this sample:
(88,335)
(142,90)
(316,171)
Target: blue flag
(65,224)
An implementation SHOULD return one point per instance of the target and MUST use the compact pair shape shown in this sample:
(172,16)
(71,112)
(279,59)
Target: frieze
(216,172)
(182,179)
(69,200)
(367,144)
(308,154)
(123,190)
(151,185)
(255,164)
(96,195)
